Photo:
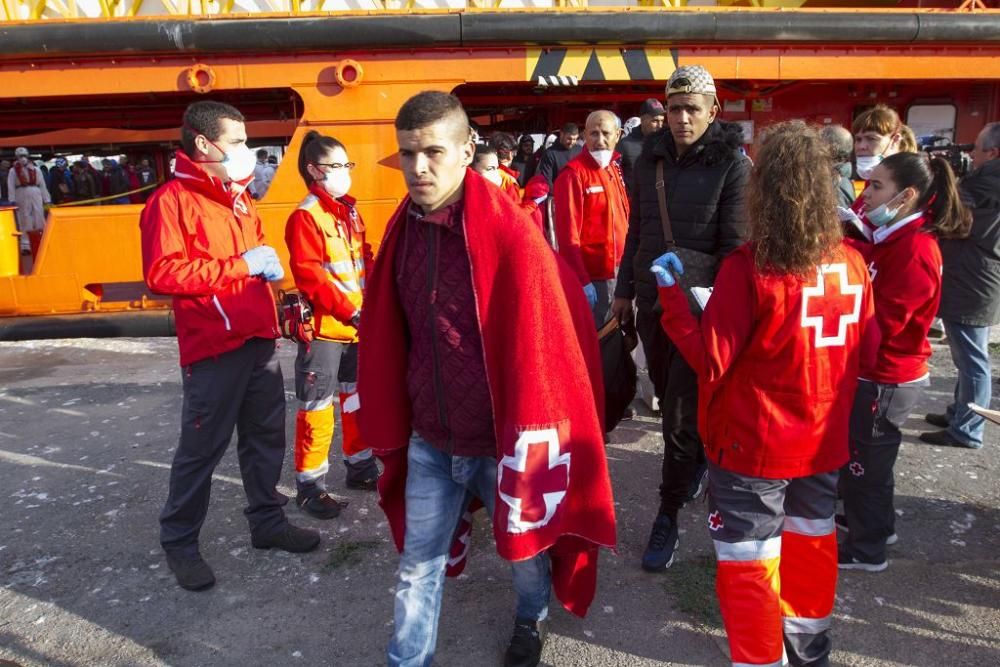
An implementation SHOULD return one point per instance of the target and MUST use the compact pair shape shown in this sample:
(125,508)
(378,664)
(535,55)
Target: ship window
(932,120)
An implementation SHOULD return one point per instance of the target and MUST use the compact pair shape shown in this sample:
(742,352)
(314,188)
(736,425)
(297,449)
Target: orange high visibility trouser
(321,368)
(777,565)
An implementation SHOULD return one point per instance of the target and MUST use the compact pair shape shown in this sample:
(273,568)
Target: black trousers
(676,386)
(241,389)
(867,481)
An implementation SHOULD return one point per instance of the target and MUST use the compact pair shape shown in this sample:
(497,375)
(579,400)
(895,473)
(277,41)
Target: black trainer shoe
(290,538)
(323,506)
(934,419)
(943,438)
(841,522)
(362,475)
(525,648)
(192,572)
(662,543)
(845,561)
(699,483)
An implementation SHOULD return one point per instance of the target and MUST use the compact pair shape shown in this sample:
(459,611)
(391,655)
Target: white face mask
(866,165)
(337,182)
(602,157)
(239,163)
(22,160)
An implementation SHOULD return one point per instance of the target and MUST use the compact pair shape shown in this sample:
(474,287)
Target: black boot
(525,648)
(192,572)
(362,475)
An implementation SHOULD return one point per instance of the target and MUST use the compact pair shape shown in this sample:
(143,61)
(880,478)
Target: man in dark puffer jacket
(705,176)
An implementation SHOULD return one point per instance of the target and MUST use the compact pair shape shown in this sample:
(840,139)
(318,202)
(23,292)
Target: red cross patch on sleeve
(532,480)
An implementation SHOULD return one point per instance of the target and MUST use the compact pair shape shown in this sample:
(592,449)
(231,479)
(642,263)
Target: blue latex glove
(258,258)
(590,292)
(662,267)
(273,271)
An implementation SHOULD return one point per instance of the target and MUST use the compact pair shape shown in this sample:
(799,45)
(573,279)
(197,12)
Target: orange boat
(112,77)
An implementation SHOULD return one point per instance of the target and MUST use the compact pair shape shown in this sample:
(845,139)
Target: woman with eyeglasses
(329,258)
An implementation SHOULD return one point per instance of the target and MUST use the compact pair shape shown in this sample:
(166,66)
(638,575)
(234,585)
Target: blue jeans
(970,352)
(439,488)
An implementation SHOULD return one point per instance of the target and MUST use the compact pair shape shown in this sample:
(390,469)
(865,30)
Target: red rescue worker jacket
(777,359)
(592,211)
(905,266)
(194,231)
(328,258)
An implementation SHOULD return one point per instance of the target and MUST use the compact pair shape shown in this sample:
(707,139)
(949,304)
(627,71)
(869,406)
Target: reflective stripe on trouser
(317,366)
(354,447)
(313,435)
(776,577)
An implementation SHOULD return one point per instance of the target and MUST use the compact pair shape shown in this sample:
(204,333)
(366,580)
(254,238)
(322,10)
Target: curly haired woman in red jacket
(911,202)
(777,351)
(328,257)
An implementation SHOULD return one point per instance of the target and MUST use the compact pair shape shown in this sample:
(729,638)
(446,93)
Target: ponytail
(937,192)
(951,218)
(314,146)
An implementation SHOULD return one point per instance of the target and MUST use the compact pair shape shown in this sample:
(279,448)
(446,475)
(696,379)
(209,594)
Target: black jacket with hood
(705,199)
(970,278)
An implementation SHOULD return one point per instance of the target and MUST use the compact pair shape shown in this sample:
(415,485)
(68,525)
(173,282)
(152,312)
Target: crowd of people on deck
(783,321)
(32,185)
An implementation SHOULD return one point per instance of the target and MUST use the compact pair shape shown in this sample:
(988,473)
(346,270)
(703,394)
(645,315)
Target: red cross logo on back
(534,480)
(830,306)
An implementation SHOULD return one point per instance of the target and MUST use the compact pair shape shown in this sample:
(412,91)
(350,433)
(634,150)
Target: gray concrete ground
(87,429)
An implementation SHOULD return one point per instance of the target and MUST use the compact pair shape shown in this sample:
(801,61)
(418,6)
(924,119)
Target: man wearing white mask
(591,212)
(203,243)
(328,255)
(26,187)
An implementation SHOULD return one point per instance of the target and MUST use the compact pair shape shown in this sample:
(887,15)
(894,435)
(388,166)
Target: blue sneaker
(662,543)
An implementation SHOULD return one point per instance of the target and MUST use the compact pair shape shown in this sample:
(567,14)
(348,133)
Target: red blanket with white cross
(544,373)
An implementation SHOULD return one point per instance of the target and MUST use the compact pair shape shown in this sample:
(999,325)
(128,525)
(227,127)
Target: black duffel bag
(619,372)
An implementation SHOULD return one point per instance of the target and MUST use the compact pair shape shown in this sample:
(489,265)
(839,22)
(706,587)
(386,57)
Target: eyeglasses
(337,165)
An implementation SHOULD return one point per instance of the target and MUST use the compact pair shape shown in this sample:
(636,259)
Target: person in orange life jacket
(591,212)
(467,408)
(203,243)
(911,202)
(328,257)
(26,187)
(789,325)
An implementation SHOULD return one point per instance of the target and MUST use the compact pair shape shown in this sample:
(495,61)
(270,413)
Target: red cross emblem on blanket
(714,521)
(830,305)
(533,481)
